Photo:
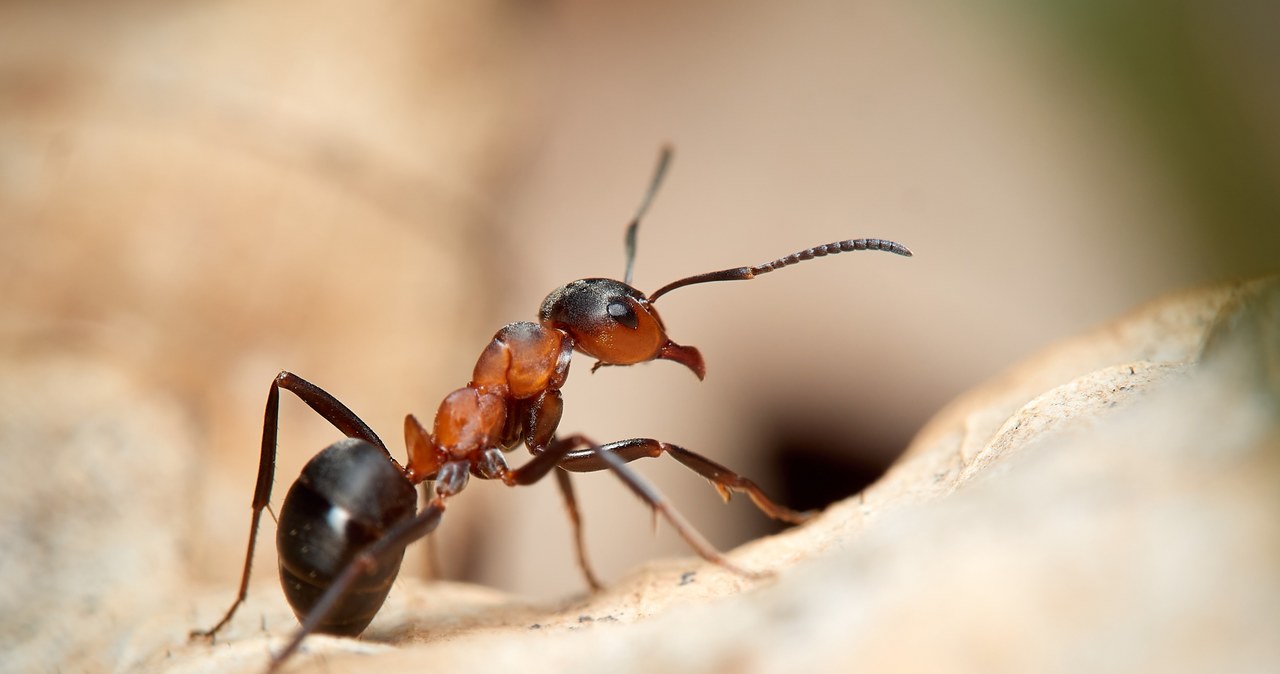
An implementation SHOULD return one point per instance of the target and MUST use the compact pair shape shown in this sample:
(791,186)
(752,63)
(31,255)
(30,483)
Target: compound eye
(621,312)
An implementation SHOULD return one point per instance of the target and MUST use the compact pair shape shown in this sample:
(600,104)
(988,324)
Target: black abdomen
(345,499)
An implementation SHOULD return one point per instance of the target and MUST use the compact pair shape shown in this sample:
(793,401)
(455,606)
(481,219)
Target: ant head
(615,324)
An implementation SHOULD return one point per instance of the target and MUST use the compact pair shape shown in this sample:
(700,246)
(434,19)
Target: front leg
(723,479)
(560,451)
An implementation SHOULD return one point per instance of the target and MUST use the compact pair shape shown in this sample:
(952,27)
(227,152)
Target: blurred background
(196,195)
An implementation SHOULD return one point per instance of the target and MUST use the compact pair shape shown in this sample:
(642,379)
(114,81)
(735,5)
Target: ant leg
(575,520)
(557,452)
(451,480)
(326,406)
(724,480)
(397,538)
(541,417)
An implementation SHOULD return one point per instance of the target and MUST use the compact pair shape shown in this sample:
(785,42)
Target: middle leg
(575,521)
(550,458)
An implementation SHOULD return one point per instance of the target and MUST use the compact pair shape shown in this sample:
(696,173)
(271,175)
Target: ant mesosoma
(345,523)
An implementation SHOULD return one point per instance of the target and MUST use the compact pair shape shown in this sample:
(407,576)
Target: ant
(346,521)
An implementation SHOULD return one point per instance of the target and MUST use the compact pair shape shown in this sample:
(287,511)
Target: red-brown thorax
(524,360)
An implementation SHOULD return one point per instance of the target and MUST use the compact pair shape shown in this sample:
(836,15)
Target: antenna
(660,171)
(748,273)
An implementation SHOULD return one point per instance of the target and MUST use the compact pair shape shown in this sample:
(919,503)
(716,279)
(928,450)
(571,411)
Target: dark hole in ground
(812,469)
